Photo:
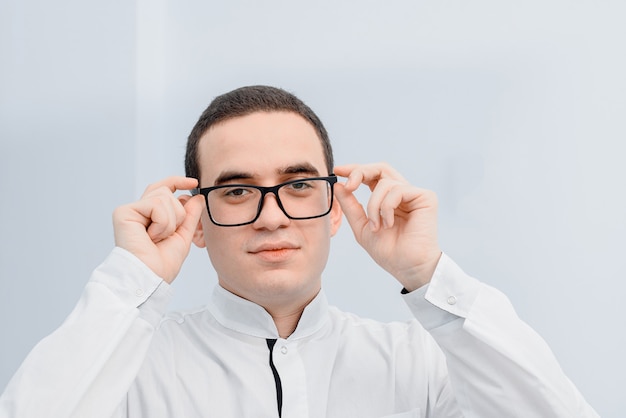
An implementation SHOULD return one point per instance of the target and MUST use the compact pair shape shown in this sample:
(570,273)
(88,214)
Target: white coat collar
(246,317)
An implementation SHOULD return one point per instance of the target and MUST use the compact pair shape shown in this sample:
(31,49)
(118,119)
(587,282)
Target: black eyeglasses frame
(331,179)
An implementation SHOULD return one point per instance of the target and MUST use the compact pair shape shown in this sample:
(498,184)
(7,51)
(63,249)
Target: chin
(282,285)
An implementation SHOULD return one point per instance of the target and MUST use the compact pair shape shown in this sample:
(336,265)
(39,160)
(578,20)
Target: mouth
(274,252)
(269,247)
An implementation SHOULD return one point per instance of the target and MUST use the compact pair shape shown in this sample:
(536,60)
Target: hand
(399,229)
(159,227)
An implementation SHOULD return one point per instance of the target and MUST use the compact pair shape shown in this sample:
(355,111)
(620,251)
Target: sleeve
(498,365)
(86,366)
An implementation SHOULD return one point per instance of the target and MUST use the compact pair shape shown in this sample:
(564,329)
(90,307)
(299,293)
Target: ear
(336,215)
(198,234)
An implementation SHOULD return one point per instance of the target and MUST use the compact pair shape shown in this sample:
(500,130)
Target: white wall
(512,113)
(67,155)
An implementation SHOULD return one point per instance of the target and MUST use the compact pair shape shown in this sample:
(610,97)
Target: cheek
(219,244)
(318,239)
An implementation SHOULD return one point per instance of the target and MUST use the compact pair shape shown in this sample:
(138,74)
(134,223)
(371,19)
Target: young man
(265,204)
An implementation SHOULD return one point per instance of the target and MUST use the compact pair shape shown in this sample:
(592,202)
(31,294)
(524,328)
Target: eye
(301,185)
(301,189)
(236,191)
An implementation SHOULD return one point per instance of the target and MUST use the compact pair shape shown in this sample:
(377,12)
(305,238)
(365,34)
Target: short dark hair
(244,101)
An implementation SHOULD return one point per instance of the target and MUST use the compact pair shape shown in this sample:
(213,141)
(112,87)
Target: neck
(286,324)
(285,311)
(287,315)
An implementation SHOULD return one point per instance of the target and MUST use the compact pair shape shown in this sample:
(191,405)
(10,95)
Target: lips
(273,246)
(274,253)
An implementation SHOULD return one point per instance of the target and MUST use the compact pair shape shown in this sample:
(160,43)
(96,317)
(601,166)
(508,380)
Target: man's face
(275,260)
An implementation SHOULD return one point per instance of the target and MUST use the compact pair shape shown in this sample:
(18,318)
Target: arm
(497,364)
(496,361)
(87,365)
(93,357)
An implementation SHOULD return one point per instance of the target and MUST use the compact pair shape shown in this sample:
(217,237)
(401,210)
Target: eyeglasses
(241,204)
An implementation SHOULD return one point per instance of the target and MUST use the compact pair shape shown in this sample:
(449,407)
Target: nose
(272,216)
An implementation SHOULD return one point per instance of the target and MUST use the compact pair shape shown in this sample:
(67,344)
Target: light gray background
(513,113)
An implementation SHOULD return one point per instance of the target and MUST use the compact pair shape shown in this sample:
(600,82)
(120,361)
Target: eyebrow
(302,168)
(229,176)
(232,175)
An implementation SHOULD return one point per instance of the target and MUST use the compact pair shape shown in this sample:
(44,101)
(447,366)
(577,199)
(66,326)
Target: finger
(344,170)
(390,203)
(167,197)
(193,207)
(374,205)
(352,174)
(372,173)
(173,184)
(179,209)
(175,211)
(164,211)
(368,174)
(352,209)
(162,217)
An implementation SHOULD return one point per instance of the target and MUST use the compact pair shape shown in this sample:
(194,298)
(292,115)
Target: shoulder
(182,316)
(184,321)
(402,345)
(348,324)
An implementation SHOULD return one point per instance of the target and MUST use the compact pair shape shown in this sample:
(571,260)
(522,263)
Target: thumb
(355,214)
(193,207)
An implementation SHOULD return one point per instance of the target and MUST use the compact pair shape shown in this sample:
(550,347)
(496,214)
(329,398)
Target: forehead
(261,144)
